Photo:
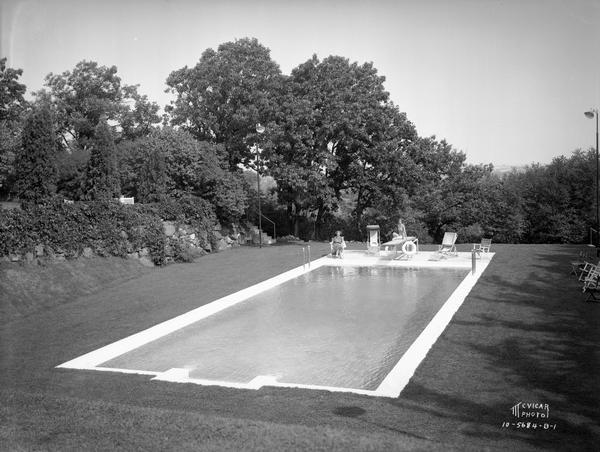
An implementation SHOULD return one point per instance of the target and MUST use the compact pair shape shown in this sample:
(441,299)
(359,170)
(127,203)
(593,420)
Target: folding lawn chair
(448,247)
(591,284)
(585,269)
(578,265)
(483,247)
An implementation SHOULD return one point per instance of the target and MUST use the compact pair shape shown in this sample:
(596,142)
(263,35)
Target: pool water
(334,326)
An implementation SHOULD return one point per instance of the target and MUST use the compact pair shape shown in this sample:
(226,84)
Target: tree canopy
(35,164)
(89,92)
(12,110)
(12,100)
(102,177)
(336,130)
(223,97)
(174,162)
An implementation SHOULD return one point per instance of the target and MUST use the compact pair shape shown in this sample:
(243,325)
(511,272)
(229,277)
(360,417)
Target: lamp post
(259,129)
(591,114)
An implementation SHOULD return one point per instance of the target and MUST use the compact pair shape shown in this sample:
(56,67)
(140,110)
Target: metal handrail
(306,256)
(273,223)
(591,238)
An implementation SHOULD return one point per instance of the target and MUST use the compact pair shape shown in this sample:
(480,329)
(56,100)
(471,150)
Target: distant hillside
(503,169)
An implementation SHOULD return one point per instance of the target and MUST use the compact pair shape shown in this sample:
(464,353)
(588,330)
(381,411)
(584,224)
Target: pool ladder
(306,256)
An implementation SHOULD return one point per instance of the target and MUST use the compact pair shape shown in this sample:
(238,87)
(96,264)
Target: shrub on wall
(191,210)
(107,227)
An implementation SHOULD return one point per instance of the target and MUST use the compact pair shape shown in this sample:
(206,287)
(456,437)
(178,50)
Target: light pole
(591,114)
(259,129)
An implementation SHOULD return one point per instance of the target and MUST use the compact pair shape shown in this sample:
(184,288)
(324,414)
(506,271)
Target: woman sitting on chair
(337,244)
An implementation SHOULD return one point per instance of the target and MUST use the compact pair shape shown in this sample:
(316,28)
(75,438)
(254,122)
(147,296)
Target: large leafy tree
(191,167)
(90,92)
(557,200)
(102,176)
(12,102)
(456,202)
(35,168)
(153,177)
(72,169)
(12,109)
(224,96)
(502,216)
(409,182)
(336,131)
(141,115)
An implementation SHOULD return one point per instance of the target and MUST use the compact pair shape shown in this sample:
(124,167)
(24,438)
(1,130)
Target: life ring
(409,248)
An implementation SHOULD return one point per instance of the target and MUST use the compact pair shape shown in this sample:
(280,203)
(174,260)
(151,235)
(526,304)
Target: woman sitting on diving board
(401,234)
(400,238)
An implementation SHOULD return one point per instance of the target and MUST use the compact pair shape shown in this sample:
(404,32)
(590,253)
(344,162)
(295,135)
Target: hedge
(107,227)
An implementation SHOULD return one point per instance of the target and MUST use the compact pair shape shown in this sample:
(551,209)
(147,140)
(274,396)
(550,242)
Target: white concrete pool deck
(393,383)
(423,259)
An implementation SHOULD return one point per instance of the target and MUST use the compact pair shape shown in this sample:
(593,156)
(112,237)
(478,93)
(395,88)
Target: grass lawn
(524,334)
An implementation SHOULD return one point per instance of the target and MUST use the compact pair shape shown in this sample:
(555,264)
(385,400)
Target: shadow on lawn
(526,328)
(356,412)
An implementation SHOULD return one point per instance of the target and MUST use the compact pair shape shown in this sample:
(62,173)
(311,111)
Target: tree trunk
(319,219)
(296,219)
(358,211)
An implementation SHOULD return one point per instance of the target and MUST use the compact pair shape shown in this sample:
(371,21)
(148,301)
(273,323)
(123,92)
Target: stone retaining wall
(183,242)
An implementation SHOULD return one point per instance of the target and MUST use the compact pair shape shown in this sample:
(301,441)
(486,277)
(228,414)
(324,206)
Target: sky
(505,81)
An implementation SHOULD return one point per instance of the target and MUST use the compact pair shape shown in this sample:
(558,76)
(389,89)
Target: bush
(192,210)
(470,234)
(182,251)
(334,223)
(107,227)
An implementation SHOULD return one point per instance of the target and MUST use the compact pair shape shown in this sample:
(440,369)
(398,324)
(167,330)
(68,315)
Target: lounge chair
(448,247)
(585,270)
(483,247)
(591,284)
(577,266)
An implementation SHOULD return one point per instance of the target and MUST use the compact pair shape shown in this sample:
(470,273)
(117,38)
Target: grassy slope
(523,334)
(28,288)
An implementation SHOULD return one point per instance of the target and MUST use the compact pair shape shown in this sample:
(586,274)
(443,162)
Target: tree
(455,202)
(334,132)
(10,140)
(72,168)
(140,120)
(502,217)
(198,169)
(557,200)
(153,177)
(35,167)
(190,168)
(12,102)
(90,92)
(12,110)
(223,97)
(102,177)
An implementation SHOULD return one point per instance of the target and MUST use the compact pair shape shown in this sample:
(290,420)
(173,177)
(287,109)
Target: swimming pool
(337,326)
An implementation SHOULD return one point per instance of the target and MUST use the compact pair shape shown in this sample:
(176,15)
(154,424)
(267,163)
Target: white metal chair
(483,247)
(591,283)
(581,264)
